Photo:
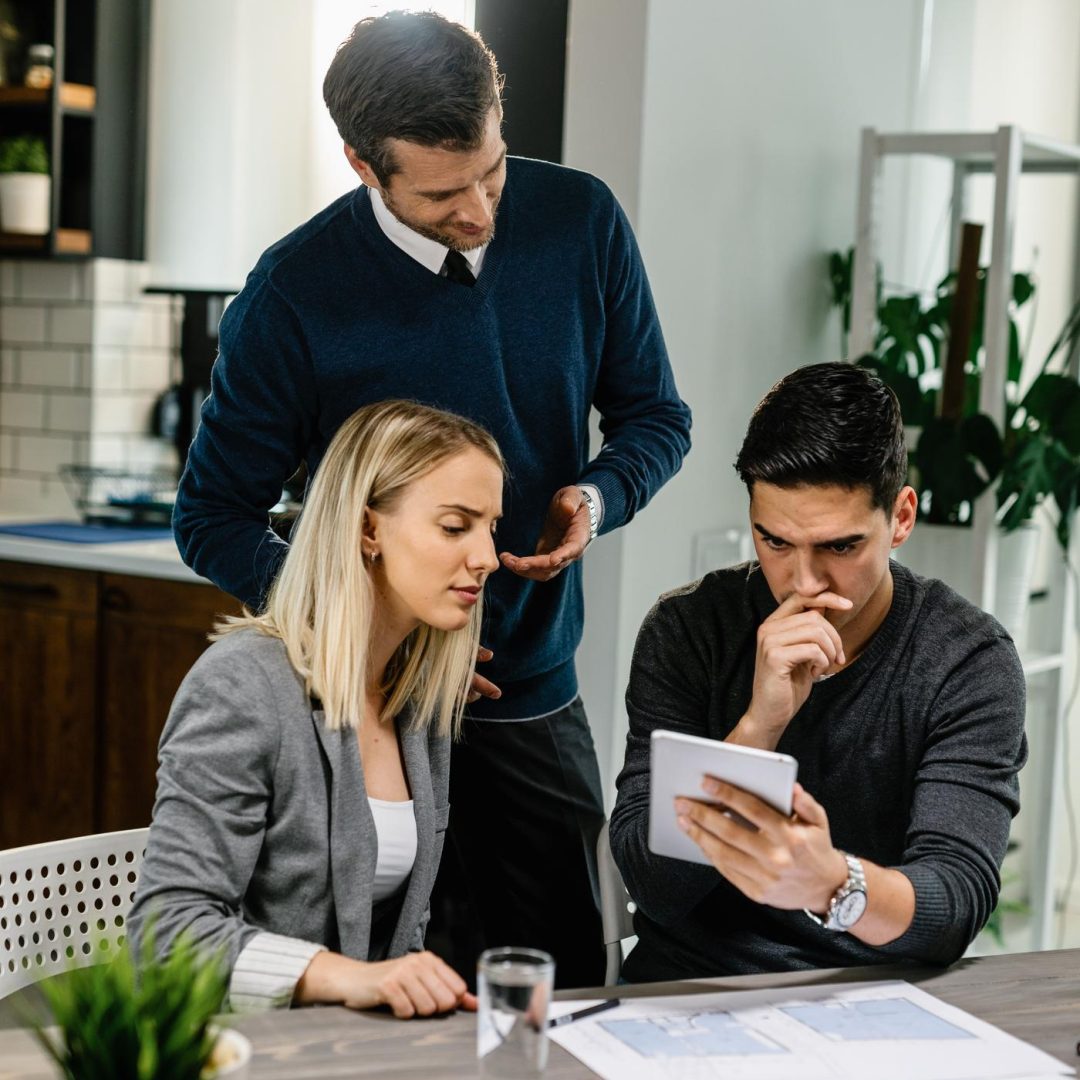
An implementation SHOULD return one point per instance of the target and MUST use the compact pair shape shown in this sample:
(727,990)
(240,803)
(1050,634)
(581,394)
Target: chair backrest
(616,907)
(63,904)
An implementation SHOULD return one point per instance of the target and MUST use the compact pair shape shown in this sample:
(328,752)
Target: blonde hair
(322,604)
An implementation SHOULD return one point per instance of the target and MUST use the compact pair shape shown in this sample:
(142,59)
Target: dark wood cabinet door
(48,692)
(152,632)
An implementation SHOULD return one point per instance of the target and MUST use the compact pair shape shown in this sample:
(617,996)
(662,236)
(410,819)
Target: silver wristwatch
(849,901)
(594,513)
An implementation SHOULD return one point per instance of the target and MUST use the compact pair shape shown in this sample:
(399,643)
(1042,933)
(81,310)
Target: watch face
(850,909)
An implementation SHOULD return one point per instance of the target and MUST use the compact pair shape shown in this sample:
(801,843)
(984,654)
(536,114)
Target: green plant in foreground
(23,154)
(136,1019)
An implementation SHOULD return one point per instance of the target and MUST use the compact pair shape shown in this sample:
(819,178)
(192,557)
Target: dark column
(529,39)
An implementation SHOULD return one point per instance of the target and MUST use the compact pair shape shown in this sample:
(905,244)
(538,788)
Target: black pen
(569,1018)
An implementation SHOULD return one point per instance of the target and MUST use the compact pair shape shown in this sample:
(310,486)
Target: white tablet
(680,763)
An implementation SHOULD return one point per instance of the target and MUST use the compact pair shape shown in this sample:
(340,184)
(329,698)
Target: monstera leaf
(957,461)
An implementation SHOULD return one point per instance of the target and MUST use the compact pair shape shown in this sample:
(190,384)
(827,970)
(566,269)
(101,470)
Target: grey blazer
(262,823)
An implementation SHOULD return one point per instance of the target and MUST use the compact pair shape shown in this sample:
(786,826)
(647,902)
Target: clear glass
(514,987)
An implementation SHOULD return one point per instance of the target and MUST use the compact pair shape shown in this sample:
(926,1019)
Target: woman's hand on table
(417,984)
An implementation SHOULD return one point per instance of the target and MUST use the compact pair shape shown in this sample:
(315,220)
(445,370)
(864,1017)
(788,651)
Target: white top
(270,965)
(395,832)
(428,253)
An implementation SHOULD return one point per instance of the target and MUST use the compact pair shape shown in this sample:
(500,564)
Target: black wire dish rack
(118,496)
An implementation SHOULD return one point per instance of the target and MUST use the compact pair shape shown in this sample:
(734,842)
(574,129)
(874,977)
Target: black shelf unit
(93,121)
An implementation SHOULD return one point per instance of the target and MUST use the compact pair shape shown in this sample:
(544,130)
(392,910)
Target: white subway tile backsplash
(126,325)
(122,414)
(109,450)
(148,369)
(32,495)
(163,326)
(8,460)
(150,452)
(71,324)
(112,280)
(9,279)
(68,412)
(56,499)
(52,281)
(109,368)
(83,370)
(84,354)
(50,367)
(9,367)
(44,454)
(22,323)
(22,410)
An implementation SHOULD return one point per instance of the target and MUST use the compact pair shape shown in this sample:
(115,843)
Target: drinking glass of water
(514,988)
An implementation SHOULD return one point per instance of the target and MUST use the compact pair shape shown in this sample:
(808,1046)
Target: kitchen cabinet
(48,686)
(92,120)
(89,664)
(151,633)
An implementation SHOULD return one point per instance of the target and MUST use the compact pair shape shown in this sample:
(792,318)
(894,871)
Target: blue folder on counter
(74,532)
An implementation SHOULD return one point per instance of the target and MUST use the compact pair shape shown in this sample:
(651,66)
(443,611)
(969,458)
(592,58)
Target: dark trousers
(519,867)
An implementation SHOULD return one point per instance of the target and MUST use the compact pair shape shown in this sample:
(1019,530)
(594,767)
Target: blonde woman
(302,787)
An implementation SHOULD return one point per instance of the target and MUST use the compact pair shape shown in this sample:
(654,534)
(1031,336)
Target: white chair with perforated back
(63,904)
(616,907)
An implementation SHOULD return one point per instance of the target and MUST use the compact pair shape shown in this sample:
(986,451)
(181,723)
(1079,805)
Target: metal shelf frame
(1005,154)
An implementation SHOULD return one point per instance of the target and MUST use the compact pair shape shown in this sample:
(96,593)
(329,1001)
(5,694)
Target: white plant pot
(24,203)
(1016,556)
(944,552)
(236,1049)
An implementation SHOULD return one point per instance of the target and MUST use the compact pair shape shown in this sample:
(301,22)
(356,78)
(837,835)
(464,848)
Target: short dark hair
(827,424)
(414,76)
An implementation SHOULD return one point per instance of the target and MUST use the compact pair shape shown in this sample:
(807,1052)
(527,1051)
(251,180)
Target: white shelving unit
(1005,154)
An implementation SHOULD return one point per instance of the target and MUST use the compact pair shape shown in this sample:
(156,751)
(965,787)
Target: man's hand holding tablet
(740,811)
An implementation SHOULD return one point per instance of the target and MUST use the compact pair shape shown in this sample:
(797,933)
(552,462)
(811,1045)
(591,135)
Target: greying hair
(412,76)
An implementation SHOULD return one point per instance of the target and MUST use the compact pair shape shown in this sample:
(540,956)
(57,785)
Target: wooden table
(1035,996)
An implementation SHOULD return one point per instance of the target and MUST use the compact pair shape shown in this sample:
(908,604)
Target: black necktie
(456,268)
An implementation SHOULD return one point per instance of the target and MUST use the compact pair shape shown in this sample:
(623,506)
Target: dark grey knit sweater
(913,751)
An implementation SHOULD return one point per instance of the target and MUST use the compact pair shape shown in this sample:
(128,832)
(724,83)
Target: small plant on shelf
(23,154)
(25,185)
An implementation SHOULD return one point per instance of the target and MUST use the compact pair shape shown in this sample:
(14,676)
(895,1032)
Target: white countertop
(143,558)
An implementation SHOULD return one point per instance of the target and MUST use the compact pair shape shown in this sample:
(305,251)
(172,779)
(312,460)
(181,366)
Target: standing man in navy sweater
(511,291)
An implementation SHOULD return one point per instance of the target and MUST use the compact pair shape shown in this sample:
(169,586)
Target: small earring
(374,556)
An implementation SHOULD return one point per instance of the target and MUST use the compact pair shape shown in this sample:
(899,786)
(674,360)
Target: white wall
(229,133)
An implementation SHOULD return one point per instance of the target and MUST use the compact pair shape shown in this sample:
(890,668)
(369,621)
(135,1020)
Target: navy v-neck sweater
(560,320)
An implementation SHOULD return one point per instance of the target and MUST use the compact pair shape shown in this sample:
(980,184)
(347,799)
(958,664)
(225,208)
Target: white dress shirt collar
(428,253)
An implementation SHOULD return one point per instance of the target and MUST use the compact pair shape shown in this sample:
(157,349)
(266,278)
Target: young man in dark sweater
(903,704)
(510,291)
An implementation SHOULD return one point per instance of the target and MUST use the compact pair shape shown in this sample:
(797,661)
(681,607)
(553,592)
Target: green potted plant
(25,185)
(1034,458)
(143,1019)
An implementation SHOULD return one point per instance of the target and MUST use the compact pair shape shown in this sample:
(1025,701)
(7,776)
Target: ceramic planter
(233,1050)
(944,552)
(24,203)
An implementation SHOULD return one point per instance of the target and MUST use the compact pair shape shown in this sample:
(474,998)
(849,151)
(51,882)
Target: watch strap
(589,500)
(855,882)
